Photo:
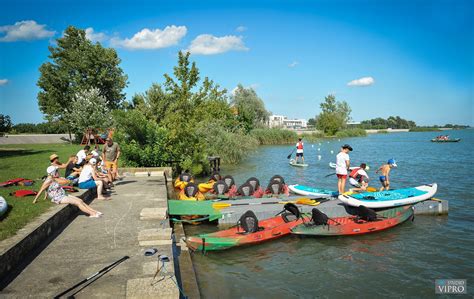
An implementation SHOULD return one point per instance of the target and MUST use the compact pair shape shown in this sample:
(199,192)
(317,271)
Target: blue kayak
(310,191)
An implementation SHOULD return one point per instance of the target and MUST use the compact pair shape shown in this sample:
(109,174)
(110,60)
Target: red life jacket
(299,145)
(11,182)
(23,193)
(354,173)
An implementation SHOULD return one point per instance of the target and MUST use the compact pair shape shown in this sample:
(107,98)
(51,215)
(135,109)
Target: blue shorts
(88,184)
(382,178)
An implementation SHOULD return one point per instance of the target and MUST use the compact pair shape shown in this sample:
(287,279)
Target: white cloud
(241,29)
(3,82)
(207,44)
(364,81)
(152,39)
(95,36)
(293,64)
(24,31)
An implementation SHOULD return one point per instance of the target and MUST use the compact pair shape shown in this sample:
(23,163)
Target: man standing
(342,166)
(110,156)
(299,150)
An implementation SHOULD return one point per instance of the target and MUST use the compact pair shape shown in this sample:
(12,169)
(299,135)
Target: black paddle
(329,175)
(101,272)
(289,156)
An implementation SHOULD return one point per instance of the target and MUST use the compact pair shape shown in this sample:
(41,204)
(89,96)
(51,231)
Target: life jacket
(11,182)
(23,193)
(299,145)
(26,182)
(355,175)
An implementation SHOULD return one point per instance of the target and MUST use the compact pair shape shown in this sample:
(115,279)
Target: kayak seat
(245,190)
(248,222)
(220,188)
(190,190)
(318,217)
(364,213)
(185,177)
(275,187)
(254,182)
(229,180)
(278,178)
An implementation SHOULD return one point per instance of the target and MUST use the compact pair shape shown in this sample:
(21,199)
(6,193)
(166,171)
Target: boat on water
(445,140)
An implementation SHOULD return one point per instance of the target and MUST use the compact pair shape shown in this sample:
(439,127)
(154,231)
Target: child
(342,165)
(385,170)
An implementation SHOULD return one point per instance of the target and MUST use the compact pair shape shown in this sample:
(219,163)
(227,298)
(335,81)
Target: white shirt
(341,166)
(86,173)
(362,172)
(81,155)
(299,151)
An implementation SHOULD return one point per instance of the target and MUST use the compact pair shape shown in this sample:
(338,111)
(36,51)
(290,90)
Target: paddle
(329,175)
(289,156)
(301,201)
(436,199)
(371,189)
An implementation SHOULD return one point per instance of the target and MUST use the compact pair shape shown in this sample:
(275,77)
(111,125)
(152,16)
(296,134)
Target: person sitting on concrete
(72,172)
(88,179)
(83,155)
(57,194)
(54,159)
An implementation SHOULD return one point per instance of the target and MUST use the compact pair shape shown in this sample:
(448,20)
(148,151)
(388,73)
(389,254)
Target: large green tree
(76,64)
(334,115)
(250,109)
(5,123)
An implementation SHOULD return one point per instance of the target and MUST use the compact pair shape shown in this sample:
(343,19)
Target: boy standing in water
(385,170)
(299,150)
(342,165)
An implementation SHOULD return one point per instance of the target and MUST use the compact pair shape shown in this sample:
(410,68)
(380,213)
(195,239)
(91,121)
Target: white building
(280,121)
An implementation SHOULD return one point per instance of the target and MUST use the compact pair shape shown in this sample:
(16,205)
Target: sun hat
(93,161)
(51,170)
(392,162)
(53,156)
(347,146)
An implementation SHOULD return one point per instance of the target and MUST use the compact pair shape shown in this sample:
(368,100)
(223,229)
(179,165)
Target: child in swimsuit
(385,170)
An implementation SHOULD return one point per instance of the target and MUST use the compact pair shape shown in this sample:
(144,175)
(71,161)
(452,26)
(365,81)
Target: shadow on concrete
(5,153)
(124,183)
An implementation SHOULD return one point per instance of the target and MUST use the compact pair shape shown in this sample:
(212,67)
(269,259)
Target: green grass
(26,161)
(352,132)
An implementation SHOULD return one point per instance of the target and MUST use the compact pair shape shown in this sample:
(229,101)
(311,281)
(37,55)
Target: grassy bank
(353,132)
(26,161)
(274,136)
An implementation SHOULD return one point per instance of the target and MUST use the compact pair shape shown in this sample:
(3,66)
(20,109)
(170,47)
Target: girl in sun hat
(59,196)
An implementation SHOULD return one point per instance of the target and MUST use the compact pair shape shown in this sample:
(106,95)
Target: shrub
(354,132)
(274,136)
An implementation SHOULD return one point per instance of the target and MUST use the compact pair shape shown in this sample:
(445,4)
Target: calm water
(403,261)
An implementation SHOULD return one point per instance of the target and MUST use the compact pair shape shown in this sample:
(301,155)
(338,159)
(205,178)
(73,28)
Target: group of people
(358,176)
(442,137)
(87,169)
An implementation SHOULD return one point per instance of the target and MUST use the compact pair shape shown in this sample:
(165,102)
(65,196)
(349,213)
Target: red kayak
(248,231)
(353,225)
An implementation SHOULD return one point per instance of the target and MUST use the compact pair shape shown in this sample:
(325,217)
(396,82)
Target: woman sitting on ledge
(59,196)
(88,179)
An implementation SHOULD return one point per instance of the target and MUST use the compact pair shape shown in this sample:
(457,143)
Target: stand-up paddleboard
(309,191)
(3,206)
(293,163)
(391,198)
(333,165)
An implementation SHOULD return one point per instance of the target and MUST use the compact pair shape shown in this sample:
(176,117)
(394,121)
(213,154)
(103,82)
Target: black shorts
(299,154)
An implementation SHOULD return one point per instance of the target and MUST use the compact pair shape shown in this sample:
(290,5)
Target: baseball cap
(347,146)
(93,161)
(53,156)
(392,162)
(51,170)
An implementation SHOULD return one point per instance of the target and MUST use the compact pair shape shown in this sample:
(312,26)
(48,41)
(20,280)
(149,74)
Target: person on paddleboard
(359,178)
(385,171)
(342,167)
(299,150)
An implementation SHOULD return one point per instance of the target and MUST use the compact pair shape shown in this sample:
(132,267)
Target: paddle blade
(371,189)
(289,156)
(221,205)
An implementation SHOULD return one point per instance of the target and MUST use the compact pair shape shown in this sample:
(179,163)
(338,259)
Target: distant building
(280,121)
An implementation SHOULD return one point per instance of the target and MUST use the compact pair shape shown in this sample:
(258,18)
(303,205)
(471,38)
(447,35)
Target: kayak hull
(391,198)
(309,191)
(443,141)
(344,226)
(270,229)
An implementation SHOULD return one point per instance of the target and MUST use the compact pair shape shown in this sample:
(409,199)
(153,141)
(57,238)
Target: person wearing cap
(110,156)
(385,171)
(342,166)
(88,179)
(57,194)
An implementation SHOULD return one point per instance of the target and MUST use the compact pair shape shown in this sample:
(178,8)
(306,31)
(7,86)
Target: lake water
(401,262)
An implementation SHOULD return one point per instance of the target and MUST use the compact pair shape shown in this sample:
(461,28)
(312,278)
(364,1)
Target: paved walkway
(34,138)
(130,225)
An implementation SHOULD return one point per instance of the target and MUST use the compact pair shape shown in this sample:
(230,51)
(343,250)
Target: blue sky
(414,59)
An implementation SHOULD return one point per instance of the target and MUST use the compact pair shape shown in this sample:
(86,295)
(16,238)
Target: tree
(78,65)
(251,112)
(334,115)
(311,122)
(89,110)
(5,123)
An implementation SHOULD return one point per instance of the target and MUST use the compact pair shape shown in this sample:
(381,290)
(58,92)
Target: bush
(424,129)
(274,136)
(355,132)
(312,136)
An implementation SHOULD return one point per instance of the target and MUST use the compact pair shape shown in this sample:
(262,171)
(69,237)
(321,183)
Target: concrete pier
(133,221)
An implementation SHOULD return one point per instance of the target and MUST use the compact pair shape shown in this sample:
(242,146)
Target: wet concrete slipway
(134,220)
